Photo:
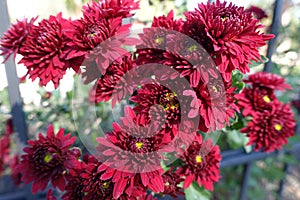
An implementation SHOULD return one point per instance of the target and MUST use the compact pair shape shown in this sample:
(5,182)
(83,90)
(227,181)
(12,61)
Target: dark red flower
(111,8)
(296,104)
(268,81)
(270,129)
(4,152)
(168,22)
(216,104)
(260,95)
(257,12)
(154,39)
(257,99)
(133,152)
(9,129)
(172,181)
(12,40)
(47,158)
(189,59)
(99,40)
(45,51)
(167,114)
(201,163)
(116,83)
(229,34)
(15,175)
(50,195)
(94,187)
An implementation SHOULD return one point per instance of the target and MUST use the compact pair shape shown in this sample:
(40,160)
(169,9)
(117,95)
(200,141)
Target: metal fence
(229,158)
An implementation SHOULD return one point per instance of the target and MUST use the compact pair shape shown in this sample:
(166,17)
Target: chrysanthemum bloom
(225,32)
(253,100)
(201,163)
(47,158)
(268,81)
(116,83)
(257,12)
(111,8)
(155,94)
(9,129)
(15,175)
(133,152)
(154,39)
(99,40)
(172,181)
(45,51)
(189,58)
(270,129)
(216,104)
(12,40)
(50,195)
(4,151)
(94,187)
(260,95)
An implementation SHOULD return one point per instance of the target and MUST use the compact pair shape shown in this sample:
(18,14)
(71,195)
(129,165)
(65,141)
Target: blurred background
(46,105)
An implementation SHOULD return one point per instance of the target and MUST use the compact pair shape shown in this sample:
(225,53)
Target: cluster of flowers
(181,79)
(8,159)
(272,122)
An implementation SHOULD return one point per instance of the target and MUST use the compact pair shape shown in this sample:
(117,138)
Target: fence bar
(243,158)
(274,30)
(246,179)
(15,99)
(16,102)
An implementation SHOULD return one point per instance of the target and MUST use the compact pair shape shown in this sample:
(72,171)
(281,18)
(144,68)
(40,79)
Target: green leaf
(263,60)
(194,192)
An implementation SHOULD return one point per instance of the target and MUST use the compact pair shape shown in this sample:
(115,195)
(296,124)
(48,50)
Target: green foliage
(194,192)
(237,82)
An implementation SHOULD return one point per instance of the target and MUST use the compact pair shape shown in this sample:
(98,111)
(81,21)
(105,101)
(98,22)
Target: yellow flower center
(192,48)
(139,145)
(159,40)
(267,99)
(167,184)
(47,158)
(215,89)
(278,127)
(198,159)
(105,185)
(224,18)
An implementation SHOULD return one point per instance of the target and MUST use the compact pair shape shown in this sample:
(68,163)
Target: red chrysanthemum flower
(116,83)
(216,104)
(189,59)
(15,175)
(133,152)
(111,8)
(167,114)
(47,158)
(257,12)
(154,39)
(228,33)
(50,195)
(172,181)
(257,99)
(12,40)
(94,187)
(260,95)
(270,129)
(268,81)
(9,129)
(168,22)
(45,51)
(98,40)
(201,164)
(4,151)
